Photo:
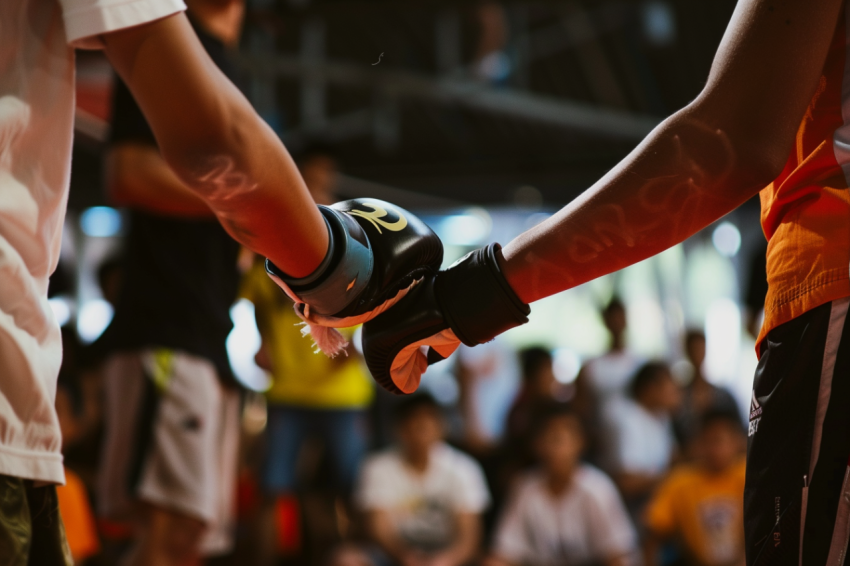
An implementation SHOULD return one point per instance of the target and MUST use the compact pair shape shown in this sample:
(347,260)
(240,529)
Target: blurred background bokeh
(484,118)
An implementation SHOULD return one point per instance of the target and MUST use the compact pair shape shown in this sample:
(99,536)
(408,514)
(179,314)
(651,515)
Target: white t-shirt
(36,132)
(609,375)
(638,441)
(587,524)
(423,506)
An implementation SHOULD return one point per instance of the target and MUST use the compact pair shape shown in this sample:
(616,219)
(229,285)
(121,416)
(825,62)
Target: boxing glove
(471,302)
(375,254)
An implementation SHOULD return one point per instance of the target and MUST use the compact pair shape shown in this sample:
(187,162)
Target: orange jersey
(805,212)
(704,512)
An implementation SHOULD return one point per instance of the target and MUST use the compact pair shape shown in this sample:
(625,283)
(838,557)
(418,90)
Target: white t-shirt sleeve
(375,486)
(86,20)
(611,531)
(470,488)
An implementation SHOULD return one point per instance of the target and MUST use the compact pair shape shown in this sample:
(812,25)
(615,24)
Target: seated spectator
(567,513)
(639,434)
(605,379)
(700,505)
(700,396)
(423,500)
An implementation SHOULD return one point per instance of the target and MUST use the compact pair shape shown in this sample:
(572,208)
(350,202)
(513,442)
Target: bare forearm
(382,532)
(683,177)
(217,145)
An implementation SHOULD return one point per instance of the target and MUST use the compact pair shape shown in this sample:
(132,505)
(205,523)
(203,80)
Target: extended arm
(217,145)
(699,164)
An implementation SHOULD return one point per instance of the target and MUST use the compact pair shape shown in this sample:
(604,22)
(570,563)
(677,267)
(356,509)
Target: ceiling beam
(549,110)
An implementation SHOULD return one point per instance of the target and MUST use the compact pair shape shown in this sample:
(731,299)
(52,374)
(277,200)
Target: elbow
(210,157)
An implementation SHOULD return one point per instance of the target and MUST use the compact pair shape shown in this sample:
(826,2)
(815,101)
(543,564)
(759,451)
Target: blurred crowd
(628,464)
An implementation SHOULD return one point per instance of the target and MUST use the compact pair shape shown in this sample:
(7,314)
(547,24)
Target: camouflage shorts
(31,530)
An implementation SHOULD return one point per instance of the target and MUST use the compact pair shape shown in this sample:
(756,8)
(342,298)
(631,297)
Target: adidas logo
(755,415)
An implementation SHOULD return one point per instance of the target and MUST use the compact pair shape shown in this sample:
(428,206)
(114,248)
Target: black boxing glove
(470,302)
(376,251)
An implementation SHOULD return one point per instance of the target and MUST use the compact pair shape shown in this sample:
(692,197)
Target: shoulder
(450,456)
(386,461)
(594,482)
(528,485)
(526,494)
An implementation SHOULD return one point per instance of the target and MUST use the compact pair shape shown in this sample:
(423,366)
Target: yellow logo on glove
(376,215)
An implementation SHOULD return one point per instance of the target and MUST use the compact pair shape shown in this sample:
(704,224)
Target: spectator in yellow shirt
(311,394)
(700,505)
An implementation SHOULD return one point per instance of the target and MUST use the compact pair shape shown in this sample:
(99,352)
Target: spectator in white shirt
(423,500)
(566,513)
(604,380)
(639,434)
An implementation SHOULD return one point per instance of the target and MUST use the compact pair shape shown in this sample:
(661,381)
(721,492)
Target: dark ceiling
(468,101)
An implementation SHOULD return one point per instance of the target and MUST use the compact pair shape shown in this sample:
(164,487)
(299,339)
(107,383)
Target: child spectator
(567,513)
(700,505)
(423,500)
(640,436)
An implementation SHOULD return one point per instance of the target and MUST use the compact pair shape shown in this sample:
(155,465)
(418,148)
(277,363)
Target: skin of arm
(217,145)
(138,176)
(696,166)
(381,530)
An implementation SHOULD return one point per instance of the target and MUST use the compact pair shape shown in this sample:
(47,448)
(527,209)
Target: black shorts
(31,530)
(797,495)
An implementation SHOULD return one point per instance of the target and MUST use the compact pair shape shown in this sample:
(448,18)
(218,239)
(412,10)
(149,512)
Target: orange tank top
(805,212)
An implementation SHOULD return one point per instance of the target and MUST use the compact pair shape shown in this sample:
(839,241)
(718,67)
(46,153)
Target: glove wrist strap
(344,272)
(476,299)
